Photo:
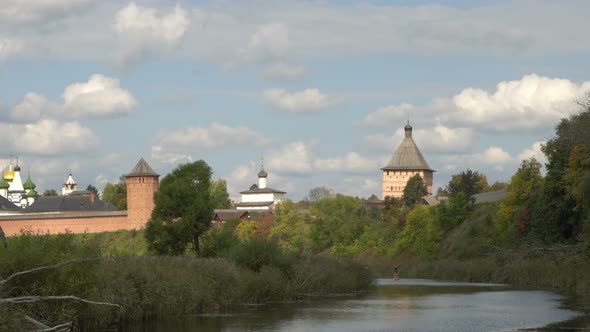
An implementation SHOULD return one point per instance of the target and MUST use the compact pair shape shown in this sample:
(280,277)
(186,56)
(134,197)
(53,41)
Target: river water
(402,305)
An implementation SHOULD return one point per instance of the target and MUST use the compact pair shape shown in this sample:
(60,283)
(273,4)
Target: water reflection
(404,305)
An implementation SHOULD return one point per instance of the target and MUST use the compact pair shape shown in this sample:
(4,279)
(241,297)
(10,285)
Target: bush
(258,252)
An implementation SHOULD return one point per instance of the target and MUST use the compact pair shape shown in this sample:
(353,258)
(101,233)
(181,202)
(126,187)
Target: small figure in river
(396,273)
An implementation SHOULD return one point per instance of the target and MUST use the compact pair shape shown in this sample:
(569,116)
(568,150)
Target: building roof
(407,156)
(226,214)
(253,204)
(262,191)
(4,184)
(9,175)
(70,179)
(142,168)
(6,205)
(69,203)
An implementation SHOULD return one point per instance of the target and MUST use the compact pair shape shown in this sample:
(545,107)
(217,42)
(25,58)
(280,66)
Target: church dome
(4,184)
(32,193)
(29,185)
(262,173)
(9,175)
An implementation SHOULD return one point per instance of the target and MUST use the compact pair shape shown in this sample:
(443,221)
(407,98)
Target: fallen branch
(51,267)
(28,299)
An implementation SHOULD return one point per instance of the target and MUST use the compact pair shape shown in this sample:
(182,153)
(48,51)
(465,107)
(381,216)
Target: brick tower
(142,184)
(406,162)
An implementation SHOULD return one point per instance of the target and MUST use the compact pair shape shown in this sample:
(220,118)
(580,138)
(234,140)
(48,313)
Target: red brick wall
(88,224)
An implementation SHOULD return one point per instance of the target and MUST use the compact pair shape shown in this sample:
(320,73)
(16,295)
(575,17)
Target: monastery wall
(55,223)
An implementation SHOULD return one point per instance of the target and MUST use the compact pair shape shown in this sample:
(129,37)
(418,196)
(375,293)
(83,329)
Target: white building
(69,186)
(13,189)
(260,197)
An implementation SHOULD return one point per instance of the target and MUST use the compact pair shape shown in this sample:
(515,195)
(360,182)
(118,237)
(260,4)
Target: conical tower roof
(407,156)
(142,168)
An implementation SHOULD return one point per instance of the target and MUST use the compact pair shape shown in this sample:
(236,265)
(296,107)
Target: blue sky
(321,89)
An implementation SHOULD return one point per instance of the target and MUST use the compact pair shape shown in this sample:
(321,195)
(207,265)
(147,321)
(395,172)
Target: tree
(468,182)
(524,183)
(50,192)
(319,193)
(92,189)
(219,194)
(414,191)
(116,194)
(182,211)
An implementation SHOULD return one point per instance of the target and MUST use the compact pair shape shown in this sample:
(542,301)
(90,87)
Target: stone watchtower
(406,162)
(142,184)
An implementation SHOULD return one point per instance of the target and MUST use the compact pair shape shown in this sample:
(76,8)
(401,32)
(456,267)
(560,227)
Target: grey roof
(69,203)
(6,205)
(490,197)
(142,169)
(262,191)
(407,156)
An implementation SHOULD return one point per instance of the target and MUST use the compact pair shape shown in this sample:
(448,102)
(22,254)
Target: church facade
(406,162)
(260,197)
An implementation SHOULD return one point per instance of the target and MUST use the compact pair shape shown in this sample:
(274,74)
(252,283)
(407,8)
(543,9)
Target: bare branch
(60,327)
(52,267)
(28,299)
(36,323)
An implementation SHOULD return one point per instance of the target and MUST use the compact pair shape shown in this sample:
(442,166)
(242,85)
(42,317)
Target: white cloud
(294,158)
(179,145)
(532,102)
(10,47)
(351,162)
(495,157)
(306,101)
(270,40)
(101,96)
(32,108)
(437,139)
(18,12)
(533,151)
(284,72)
(145,32)
(49,137)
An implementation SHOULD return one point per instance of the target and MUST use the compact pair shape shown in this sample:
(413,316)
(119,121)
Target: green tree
(513,213)
(557,215)
(319,193)
(182,211)
(92,189)
(291,229)
(116,193)
(50,192)
(414,191)
(468,182)
(219,194)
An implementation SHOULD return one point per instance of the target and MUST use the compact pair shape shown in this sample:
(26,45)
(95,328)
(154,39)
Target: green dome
(32,193)
(29,184)
(3,183)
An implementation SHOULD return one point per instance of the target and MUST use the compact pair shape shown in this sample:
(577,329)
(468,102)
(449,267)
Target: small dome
(262,173)
(4,184)
(17,168)
(29,184)
(32,193)
(408,127)
(9,175)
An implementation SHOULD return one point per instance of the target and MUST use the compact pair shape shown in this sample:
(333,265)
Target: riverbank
(147,287)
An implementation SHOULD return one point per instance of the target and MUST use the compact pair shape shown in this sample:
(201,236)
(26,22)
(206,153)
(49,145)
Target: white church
(13,189)
(260,197)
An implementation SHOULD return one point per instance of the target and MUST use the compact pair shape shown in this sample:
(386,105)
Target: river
(401,305)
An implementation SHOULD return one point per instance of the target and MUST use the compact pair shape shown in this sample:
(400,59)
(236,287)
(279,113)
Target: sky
(320,90)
